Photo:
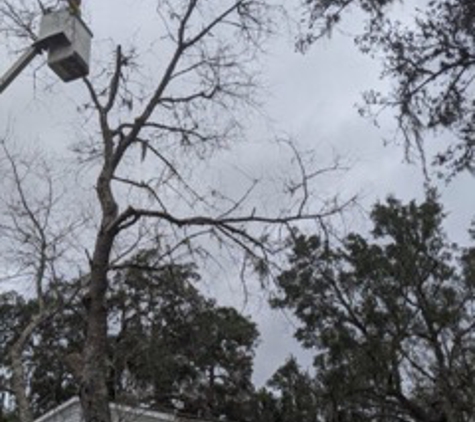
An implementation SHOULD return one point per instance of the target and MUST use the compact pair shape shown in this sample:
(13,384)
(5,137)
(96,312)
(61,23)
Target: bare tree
(35,240)
(150,127)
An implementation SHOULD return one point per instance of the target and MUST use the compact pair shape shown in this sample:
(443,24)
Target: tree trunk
(94,396)
(94,392)
(18,385)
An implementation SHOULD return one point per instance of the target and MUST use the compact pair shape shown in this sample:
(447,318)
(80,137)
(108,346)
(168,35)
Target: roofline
(136,411)
(139,411)
(58,409)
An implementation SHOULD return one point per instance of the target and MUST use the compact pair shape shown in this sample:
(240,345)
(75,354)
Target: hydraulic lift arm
(18,66)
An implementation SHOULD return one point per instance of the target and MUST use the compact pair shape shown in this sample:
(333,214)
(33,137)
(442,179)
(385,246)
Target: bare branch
(134,214)
(115,80)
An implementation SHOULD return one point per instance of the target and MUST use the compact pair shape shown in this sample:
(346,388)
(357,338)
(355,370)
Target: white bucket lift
(67,40)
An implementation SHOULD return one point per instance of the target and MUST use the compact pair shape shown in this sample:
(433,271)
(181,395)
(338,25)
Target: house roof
(70,411)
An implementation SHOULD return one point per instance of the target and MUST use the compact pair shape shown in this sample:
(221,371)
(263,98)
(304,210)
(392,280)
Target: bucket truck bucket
(67,40)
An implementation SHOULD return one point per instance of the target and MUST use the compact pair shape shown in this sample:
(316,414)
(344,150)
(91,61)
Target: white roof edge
(58,409)
(137,411)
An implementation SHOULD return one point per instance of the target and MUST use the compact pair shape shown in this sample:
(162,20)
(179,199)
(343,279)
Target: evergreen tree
(177,348)
(169,347)
(389,317)
(295,392)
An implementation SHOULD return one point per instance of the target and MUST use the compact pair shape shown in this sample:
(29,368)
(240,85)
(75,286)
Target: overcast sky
(310,97)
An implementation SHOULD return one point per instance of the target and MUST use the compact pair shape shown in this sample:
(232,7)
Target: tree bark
(18,383)
(19,379)
(93,391)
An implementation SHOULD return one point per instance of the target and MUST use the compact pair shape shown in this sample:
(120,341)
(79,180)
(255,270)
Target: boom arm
(18,66)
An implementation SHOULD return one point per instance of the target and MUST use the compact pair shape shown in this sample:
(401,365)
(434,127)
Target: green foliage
(430,55)
(389,317)
(174,346)
(169,346)
(321,16)
(296,398)
(288,396)
(8,417)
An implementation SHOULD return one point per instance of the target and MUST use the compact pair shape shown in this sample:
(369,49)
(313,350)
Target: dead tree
(33,242)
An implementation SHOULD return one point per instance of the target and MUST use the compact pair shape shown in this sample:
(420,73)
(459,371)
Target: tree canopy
(430,61)
(389,317)
(169,347)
